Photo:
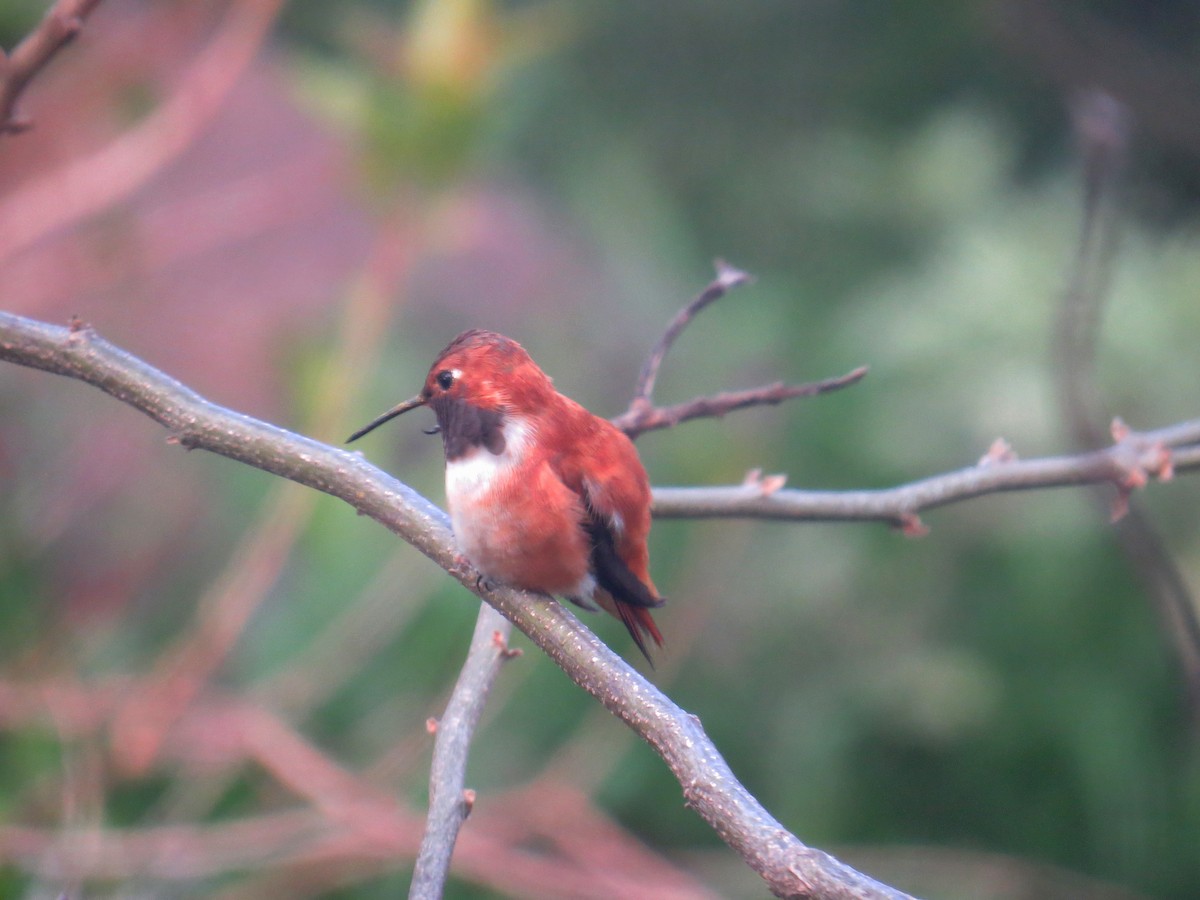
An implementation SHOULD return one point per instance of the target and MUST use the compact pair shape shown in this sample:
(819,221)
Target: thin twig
(1102,129)
(449,801)
(639,419)
(642,415)
(789,867)
(59,26)
(727,277)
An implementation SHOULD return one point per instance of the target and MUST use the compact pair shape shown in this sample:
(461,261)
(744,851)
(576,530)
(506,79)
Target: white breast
(470,478)
(470,481)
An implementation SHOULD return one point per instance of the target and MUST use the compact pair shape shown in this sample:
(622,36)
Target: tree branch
(727,277)
(642,415)
(59,26)
(449,802)
(1102,130)
(1128,464)
(789,867)
(637,420)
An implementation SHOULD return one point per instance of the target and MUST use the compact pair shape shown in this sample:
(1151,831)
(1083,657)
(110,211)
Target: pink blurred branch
(350,823)
(88,185)
(62,22)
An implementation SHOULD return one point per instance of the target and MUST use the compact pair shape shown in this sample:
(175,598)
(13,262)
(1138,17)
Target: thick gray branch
(790,868)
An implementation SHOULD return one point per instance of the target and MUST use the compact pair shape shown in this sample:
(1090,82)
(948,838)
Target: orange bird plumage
(543,495)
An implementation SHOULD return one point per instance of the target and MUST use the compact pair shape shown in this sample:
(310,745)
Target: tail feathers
(637,620)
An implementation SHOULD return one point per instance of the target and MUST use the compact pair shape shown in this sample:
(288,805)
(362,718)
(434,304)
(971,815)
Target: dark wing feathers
(632,600)
(622,592)
(610,570)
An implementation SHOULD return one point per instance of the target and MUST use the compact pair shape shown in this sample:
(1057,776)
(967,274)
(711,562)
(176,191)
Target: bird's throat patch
(465,427)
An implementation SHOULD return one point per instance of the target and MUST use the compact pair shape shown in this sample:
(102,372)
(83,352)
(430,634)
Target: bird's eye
(445,378)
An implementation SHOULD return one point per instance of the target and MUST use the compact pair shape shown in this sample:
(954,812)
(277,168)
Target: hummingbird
(543,495)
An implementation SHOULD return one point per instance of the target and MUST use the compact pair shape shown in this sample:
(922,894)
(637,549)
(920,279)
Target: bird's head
(477,383)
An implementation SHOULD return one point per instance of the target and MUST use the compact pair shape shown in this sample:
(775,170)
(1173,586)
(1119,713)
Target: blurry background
(216,684)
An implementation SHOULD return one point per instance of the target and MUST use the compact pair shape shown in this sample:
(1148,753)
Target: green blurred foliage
(904,188)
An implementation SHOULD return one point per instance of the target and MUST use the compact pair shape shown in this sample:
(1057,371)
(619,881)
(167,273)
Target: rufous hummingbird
(543,495)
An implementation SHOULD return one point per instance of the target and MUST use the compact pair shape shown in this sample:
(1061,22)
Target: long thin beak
(404,407)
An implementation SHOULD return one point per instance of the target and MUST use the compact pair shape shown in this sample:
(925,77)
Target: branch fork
(1138,459)
(710,786)
(643,415)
